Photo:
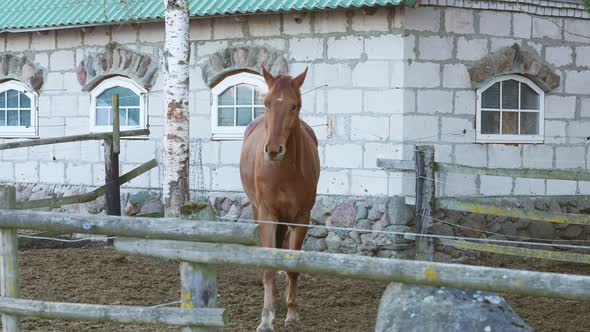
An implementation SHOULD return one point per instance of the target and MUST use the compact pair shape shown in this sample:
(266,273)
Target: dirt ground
(95,274)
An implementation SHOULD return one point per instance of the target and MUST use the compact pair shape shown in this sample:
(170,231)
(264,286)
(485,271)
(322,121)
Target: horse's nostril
(266,148)
(280,149)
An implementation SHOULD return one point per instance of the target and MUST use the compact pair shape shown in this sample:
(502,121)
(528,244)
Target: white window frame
(235,132)
(123,82)
(22,132)
(507,138)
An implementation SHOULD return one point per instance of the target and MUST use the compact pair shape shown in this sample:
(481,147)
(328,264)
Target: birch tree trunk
(176,96)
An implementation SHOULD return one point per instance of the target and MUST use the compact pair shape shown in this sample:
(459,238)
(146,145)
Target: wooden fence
(425,167)
(206,244)
(113,182)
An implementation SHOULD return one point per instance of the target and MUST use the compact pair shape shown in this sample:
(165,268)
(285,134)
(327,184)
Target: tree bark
(176,91)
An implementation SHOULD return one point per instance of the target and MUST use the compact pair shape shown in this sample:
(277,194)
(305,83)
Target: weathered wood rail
(215,317)
(150,228)
(556,285)
(563,256)
(86,197)
(425,184)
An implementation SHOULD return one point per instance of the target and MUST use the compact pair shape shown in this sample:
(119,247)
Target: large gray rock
(398,212)
(343,216)
(411,308)
(198,211)
(315,244)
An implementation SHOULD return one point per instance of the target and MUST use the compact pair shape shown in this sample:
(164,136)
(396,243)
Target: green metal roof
(31,14)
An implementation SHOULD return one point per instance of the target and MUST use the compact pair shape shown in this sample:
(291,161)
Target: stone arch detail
(22,69)
(251,58)
(117,60)
(514,60)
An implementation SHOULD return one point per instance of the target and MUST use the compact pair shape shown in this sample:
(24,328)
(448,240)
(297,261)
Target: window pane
(490,122)
(13,118)
(12,96)
(133,117)
(122,117)
(3,100)
(2,118)
(258,111)
(529,123)
(491,97)
(258,99)
(244,94)
(25,102)
(102,116)
(244,116)
(510,94)
(510,123)
(126,97)
(227,97)
(25,118)
(226,116)
(529,99)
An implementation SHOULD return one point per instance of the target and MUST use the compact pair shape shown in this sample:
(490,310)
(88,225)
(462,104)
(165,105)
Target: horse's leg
(269,277)
(296,238)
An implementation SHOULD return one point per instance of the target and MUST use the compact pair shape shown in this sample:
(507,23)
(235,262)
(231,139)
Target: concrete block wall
(64,110)
(447,41)
(359,58)
(394,79)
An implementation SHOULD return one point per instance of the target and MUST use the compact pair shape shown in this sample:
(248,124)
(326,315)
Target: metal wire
(360,230)
(63,240)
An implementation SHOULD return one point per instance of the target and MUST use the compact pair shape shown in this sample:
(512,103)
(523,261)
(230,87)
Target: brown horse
(280,169)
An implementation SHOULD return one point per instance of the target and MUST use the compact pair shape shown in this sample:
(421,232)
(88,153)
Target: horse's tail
(282,236)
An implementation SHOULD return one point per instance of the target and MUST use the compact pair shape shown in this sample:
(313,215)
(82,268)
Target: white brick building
(381,79)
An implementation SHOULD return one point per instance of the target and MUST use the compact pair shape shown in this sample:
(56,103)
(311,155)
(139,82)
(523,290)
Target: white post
(9,283)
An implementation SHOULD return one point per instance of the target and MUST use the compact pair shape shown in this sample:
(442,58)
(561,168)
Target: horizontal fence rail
(87,197)
(76,138)
(215,317)
(466,205)
(556,174)
(573,287)
(154,228)
(518,251)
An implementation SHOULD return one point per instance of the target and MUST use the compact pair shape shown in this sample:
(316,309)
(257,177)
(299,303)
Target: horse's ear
(268,77)
(298,81)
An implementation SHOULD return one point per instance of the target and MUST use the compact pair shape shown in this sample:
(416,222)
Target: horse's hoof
(291,320)
(264,328)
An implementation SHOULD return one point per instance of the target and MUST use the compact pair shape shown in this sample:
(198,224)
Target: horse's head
(283,104)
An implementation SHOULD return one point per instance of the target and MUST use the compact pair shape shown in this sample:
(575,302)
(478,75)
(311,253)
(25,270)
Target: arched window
(18,110)
(510,109)
(132,105)
(236,101)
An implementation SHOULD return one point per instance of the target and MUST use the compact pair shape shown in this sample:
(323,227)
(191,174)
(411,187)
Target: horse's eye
(294,108)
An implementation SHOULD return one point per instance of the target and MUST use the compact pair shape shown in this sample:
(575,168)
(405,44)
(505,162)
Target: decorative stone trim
(554,8)
(514,60)
(117,60)
(21,69)
(251,58)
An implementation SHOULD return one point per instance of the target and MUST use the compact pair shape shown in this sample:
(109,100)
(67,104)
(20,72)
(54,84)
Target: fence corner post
(9,274)
(112,148)
(425,190)
(198,282)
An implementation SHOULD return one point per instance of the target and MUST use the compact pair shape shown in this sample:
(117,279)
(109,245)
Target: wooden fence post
(198,282)
(112,148)
(425,187)
(9,260)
